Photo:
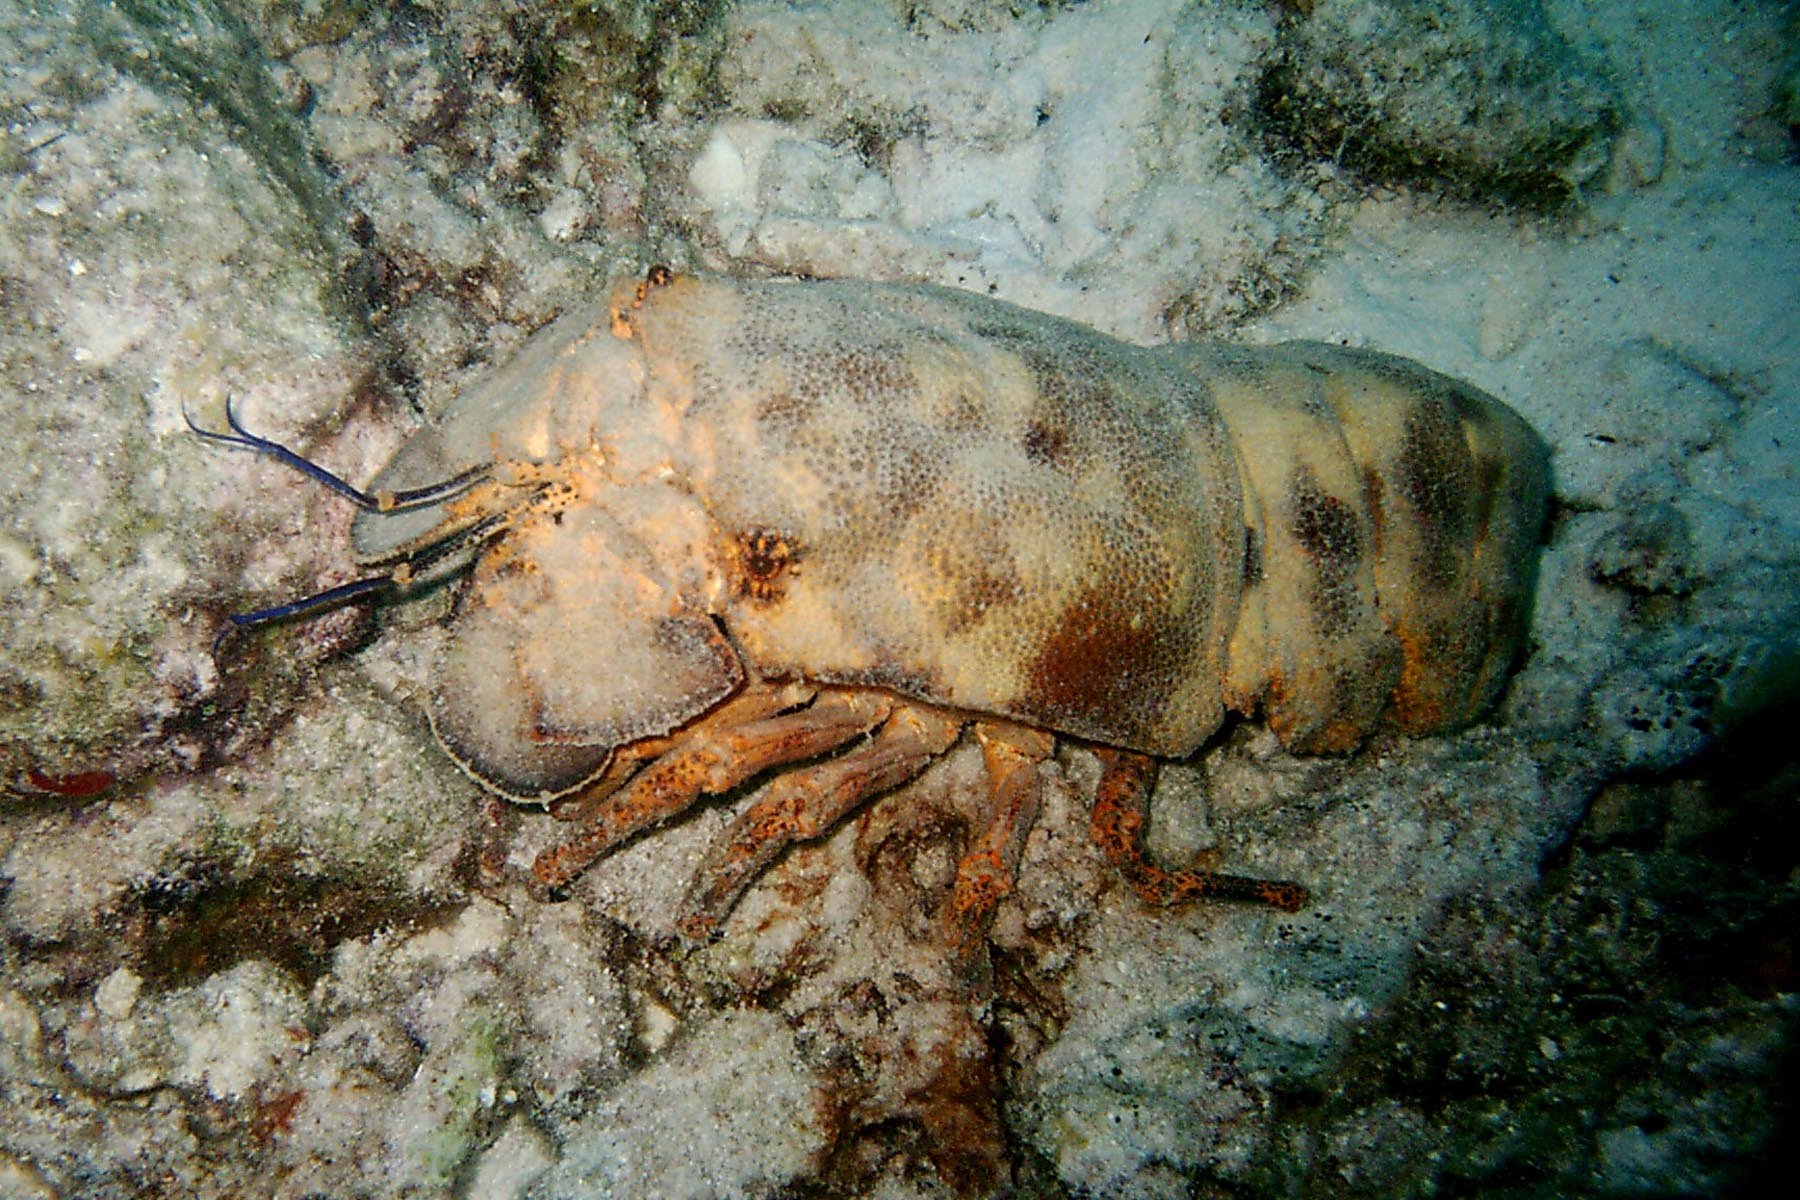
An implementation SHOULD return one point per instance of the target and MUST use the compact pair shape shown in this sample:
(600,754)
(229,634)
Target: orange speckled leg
(990,869)
(1120,810)
(803,804)
(754,703)
(709,760)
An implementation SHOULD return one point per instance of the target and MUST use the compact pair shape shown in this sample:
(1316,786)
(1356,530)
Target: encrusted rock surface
(259,938)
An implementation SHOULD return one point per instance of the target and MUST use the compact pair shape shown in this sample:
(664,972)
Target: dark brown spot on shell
(905,479)
(1045,443)
(1490,482)
(1253,558)
(1070,382)
(785,411)
(980,593)
(963,414)
(1374,492)
(990,331)
(880,374)
(1433,478)
(979,567)
(1329,536)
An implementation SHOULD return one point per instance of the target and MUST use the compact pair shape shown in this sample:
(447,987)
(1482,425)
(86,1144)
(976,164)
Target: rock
(1481,98)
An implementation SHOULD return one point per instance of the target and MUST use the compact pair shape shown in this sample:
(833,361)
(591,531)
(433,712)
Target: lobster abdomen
(1392,517)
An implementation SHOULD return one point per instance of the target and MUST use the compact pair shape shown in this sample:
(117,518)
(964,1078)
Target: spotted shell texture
(971,504)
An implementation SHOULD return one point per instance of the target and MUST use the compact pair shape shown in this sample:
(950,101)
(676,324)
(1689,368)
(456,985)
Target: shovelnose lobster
(706,528)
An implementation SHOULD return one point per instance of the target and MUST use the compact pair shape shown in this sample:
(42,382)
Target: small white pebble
(655,1025)
(117,994)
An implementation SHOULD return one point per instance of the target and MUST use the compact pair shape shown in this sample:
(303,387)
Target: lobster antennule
(379,502)
(409,574)
(405,573)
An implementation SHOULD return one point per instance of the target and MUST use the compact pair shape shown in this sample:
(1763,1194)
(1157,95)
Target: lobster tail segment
(1391,522)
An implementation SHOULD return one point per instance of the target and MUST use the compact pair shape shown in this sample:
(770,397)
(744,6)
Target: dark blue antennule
(306,606)
(376,502)
(330,598)
(410,572)
(414,571)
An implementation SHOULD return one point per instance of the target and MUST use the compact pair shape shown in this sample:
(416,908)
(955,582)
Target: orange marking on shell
(1338,737)
(983,884)
(1415,709)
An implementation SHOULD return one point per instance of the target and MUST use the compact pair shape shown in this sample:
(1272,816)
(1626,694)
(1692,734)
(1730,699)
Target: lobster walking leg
(804,804)
(1120,810)
(709,761)
(752,704)
(989,870)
